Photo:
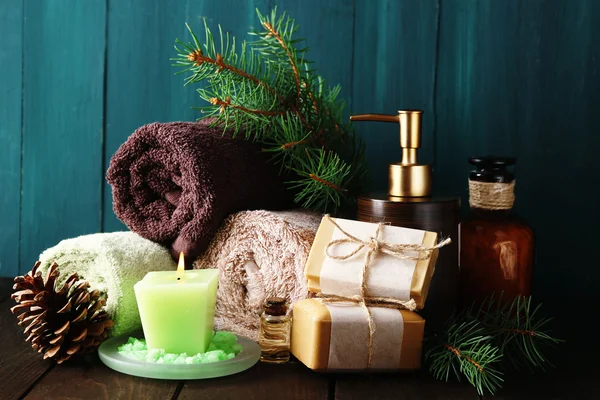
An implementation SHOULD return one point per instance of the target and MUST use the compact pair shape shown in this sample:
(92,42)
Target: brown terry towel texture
(259,254)
(175,183)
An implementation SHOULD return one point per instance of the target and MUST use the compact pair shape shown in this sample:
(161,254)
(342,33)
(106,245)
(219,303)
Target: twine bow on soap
(415,252)
(374,245)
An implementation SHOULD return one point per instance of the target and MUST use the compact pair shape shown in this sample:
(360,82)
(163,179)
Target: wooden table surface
(23,374)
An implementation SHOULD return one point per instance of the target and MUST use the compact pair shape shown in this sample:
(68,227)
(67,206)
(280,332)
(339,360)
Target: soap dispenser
(407,178)
(409,203)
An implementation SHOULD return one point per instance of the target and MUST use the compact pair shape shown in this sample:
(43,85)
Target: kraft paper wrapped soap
(334,337)
(388,275)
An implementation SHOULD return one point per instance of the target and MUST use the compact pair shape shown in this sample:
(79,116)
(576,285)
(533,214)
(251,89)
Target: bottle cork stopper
(275,306)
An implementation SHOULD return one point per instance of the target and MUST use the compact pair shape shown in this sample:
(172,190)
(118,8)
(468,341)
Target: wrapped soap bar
(334,337)
(389,275)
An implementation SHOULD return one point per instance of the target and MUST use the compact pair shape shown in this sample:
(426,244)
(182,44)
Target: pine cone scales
(60,323)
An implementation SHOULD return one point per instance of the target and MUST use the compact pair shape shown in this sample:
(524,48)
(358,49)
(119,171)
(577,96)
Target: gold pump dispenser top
(407,178)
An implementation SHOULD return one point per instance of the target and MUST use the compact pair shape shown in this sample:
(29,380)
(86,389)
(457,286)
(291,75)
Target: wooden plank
(476,87)
(394,68)
(62,122)
(11,29)
(559,94)
(400,387)
(288,381)
(327,27)
(141,85)
(556,385)
(20,365)
(88,378)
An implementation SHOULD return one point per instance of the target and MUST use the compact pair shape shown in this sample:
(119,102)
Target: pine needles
(467,351)
(519,331)
(482,342)
(268,90)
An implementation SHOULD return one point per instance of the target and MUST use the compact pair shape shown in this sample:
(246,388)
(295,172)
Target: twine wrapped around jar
(491,195)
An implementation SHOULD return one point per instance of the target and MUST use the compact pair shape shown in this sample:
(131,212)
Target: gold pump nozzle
(406,178)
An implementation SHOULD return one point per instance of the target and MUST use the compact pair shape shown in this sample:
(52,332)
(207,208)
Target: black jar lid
(275,306)
(492,169)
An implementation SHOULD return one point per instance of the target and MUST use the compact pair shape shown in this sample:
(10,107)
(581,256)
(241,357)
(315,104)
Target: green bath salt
(223,346)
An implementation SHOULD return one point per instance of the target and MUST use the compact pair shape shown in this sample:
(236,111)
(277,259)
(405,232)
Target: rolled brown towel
(174,183)
(259,254)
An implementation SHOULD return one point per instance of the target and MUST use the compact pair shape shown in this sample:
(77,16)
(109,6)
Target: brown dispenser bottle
(409,203)
(496,246)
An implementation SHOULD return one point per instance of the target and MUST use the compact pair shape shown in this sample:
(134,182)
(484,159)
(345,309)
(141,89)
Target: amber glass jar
(496,245)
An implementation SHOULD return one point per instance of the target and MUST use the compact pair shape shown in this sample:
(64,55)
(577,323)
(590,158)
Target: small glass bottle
(496,246)
(274,338)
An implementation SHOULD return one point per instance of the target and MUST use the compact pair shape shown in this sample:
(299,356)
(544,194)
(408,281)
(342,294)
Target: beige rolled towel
(259,254)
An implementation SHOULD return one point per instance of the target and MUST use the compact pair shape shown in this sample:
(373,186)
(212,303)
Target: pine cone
(63,322)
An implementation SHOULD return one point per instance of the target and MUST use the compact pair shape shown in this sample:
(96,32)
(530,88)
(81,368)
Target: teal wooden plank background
(523,78)
(63,75)
(11,29)
(517,77)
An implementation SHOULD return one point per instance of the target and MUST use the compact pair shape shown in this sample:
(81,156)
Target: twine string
(374,246)
(416,252)
(370,301)
(491,195)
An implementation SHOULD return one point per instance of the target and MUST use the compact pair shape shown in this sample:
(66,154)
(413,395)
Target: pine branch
(480,340)
(277,43)
(288,143)
(291,57)
(243,78)
(245,66)
(223,104)
(323,188)
(518,330)
(268,89)
(467,351)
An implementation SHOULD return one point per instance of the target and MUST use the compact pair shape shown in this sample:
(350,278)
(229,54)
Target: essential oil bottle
(496,245)
(274,338)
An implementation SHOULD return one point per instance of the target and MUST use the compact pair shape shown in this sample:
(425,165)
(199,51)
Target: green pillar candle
(177,309)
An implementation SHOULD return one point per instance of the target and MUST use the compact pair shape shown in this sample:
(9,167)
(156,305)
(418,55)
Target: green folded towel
(111,263)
